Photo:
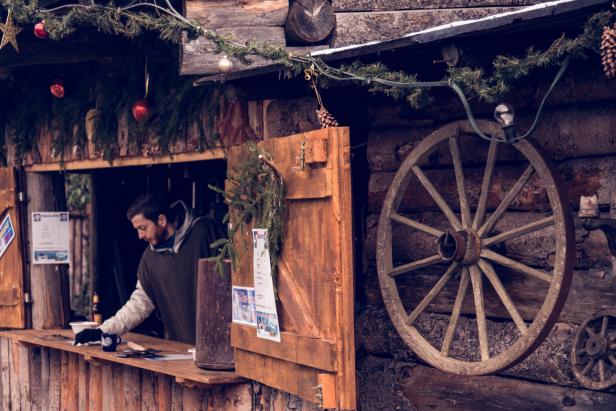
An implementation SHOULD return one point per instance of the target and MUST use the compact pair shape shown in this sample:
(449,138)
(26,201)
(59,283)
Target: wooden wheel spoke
(515,265)
(520,231)
(604,324)
(489,272)
(431,294)
(465,210)
(438,199)
(589,366)
(590,332)
(415,265)
(485,186)
(416,225)
(612,359)
(480,312)
(504,205)
(601,370)
(455,313)
(581,351)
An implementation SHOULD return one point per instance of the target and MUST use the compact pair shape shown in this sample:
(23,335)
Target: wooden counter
(182,370)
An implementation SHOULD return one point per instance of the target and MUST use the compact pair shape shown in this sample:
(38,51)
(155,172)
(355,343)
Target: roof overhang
(551,14)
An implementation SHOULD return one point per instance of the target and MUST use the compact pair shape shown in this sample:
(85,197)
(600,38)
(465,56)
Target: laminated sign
(7,233)
(265,303)
(50,237)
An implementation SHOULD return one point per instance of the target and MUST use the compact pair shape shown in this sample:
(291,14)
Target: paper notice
(50,238)
(7,233)
(267,316)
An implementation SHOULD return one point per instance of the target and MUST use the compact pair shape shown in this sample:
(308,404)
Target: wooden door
(316,356)
(12,312)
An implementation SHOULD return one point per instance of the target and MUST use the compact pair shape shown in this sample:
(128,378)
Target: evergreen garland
(255,193)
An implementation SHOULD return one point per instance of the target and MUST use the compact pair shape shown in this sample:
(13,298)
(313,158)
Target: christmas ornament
(225,65)
(608,51)
(326,119)
(57,88)
(39,30)
(9,32)
(141,110)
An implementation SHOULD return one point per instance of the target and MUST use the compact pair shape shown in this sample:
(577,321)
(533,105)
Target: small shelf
(184,371)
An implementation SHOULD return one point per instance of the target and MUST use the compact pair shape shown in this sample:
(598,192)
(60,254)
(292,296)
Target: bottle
(97,317)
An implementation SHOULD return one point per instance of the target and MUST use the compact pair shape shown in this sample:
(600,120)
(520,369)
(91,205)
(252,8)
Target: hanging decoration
(39,30)
(225,65)
(9,32)
(57,88)
(325,118)
(255,193)
(141,107)
(608,51)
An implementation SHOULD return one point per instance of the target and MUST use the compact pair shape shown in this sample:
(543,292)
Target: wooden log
(582,177)
(197,56)
(548,363)
(229,13)
(413,386)
(358,28)
(6,373)
(195,399)
(213,336)
(49,286)
(117,391)
(163,392)
(390,5)
(109,388)
(575,131)
(177,397)
(309,21)
(36,386)
(84,383)
(148,391)
(14,376)
(69,388)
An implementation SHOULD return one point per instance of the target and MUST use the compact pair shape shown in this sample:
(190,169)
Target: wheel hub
(462,246)
(596,345)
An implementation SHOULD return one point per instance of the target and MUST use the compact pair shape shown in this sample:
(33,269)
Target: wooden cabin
(341,347)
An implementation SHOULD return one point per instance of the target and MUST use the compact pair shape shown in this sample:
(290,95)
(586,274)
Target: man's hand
(88,335)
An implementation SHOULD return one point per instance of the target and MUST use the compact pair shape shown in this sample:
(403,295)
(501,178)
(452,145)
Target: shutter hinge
(21,197)
(318,396)
(27,298)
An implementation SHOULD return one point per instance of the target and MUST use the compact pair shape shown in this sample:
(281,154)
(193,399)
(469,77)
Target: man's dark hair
(151,205)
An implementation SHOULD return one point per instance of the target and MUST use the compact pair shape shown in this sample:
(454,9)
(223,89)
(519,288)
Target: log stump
(309,21)
(213,336)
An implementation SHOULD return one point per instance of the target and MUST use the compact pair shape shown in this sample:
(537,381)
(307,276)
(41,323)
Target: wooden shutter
(12,312)
(316,356)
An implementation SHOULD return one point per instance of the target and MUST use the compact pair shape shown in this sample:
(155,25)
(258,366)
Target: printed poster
(7,233)
(244,311)
(50,237)
(265,303)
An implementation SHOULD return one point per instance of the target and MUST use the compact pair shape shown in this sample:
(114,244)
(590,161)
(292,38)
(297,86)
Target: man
(167,273)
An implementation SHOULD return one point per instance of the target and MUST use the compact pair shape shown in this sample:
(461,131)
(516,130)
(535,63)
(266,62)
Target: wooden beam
(210,154)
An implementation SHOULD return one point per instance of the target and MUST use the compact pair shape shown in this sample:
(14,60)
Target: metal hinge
(27,298)
(21,197)
(318,396)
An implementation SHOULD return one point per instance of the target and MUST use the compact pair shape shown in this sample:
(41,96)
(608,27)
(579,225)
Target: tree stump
(309,21)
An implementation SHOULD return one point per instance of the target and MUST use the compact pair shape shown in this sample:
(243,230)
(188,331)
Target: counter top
(184,371)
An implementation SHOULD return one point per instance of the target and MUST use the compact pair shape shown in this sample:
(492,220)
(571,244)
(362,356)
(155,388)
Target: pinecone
(608,51)
(326,119)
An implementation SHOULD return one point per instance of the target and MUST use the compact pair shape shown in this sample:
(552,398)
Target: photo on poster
(243,300)
(267,326)
(50,237)
(7,233)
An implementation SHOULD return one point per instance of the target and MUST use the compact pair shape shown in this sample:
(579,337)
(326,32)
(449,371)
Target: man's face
(148,230)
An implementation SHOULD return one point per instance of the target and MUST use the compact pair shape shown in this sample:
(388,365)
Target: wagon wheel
(593,353)
(468,250)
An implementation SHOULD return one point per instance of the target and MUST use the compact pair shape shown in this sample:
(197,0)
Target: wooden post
(49,283)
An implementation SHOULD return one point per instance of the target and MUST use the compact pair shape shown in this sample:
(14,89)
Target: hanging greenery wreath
(255,193)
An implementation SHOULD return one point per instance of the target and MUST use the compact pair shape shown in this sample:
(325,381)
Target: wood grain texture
(358,28)
(12,310)
(322,269)
(5,371)
(391,5)
(228,13)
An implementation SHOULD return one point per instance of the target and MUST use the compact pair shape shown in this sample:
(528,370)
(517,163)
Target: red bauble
(141,110)
(57,88)
(39,30)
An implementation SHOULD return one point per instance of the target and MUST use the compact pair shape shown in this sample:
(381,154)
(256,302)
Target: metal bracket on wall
(318,396)
(590,221)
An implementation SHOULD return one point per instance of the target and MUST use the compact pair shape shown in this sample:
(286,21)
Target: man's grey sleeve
(138,307)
